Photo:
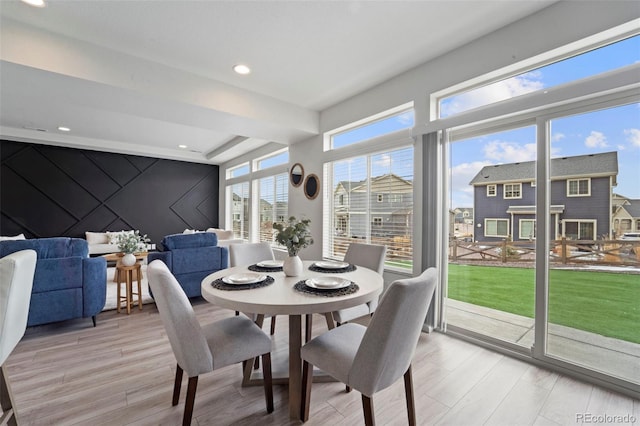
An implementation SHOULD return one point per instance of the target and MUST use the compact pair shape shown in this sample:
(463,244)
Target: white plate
(327,283)
(331,265)
(270,263)
(246,278)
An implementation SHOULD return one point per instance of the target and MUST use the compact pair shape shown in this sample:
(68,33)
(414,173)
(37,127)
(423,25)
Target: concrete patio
(611,356)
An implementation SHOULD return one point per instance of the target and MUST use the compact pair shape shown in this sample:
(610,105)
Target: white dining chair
(16,281)
(368,256)
(370,359)
(250,254)
(199,348)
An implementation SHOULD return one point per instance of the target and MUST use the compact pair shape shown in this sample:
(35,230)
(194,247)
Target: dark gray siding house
(581,191)
(383,207)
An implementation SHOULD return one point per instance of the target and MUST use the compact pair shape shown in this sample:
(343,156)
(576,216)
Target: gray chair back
(392,335)
(367,255)
(249,254)
(183,329)
(16,281)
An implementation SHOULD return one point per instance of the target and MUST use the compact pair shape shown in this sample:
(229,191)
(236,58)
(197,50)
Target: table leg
(139,273)
(119,296)
(295,366)
(129,284)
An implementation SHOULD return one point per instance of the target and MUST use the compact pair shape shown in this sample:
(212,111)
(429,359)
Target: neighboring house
(461,222)
(581,198)
(463,215)
(386,206)
(626,217)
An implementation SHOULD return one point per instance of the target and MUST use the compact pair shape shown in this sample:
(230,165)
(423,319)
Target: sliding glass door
(492,235)
(594,270)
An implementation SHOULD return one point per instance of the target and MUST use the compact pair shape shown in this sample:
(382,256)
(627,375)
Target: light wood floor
(121,373)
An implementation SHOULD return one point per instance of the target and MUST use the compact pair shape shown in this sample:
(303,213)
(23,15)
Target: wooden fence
(600,252)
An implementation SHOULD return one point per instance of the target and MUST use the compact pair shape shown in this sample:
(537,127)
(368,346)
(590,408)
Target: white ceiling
(141,77)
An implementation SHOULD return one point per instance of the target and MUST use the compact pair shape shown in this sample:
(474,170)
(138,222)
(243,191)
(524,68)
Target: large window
(389,123)
(597,61)
(273,197)
(371,201)
(238,206)
(257,195)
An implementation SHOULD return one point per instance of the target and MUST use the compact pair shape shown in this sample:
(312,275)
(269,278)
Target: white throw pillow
(96,237)
(17,237)
(222,234)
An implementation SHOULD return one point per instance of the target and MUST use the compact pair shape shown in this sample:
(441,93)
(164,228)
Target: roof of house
(633,208)
(603,164)
(351,186)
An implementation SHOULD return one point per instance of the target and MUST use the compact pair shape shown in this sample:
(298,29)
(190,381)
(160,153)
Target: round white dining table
(280,298)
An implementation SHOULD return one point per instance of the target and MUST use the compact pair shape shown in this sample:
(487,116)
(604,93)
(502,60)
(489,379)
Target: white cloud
(495,92)
(384,161)
(509,152)
(461,175)
(556,137)
(406,117)
(596,140)
(633,136)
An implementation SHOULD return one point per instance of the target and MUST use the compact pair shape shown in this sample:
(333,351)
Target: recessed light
(182,146)
(64,129)
(36,3)
(242,69)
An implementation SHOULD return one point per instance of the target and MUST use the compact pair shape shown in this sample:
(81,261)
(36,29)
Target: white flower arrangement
(294,234)
(132,242)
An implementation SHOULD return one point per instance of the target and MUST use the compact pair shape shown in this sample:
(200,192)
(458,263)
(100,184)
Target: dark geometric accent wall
(48,191)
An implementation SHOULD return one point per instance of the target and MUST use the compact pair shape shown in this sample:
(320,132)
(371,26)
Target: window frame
(578,194)
(527,237)
(496,219)
(495,190)
(504,191)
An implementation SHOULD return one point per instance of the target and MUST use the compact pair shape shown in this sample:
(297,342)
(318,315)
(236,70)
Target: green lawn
(599,302)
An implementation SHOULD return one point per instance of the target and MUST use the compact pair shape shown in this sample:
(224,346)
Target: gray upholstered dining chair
(16,281)
(199,348)
(372,358)
(250,254)
(369,256)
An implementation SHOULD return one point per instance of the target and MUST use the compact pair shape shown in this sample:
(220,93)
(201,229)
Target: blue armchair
(191,257)
(67,284)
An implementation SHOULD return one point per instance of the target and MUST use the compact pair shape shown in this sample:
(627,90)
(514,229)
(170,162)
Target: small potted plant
(294,235)
(130,243)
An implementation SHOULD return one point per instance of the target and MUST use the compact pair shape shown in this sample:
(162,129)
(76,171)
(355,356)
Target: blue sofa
(67,283)
(191,257)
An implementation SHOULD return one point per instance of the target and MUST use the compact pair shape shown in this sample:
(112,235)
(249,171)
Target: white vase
(128,259)
(292,266)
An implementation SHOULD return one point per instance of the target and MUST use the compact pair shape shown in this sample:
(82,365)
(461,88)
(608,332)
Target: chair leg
(305,400)
(329,317)
(268,381)
(94,318)
(273,325)
(408,389)
(8,415)
(367,407)
(191,398)
(176,386)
